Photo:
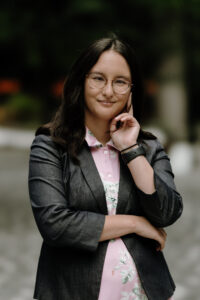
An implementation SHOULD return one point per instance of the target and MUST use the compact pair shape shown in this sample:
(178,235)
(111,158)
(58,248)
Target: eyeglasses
(98,81)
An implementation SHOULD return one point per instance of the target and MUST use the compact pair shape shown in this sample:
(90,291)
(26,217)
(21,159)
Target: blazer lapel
(92,177)
(125,186)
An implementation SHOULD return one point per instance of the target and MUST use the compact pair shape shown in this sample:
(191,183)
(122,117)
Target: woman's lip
(106,101)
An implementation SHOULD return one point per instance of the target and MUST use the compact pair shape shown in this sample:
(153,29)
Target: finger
(127,123)
(163,232)
(158,248)
(161,245)
(121,116)
(127,118)
(113,125)
(131,120)
(129,104)
(131,110)
(161,239)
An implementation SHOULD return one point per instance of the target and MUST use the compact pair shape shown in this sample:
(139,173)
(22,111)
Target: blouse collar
(93,142)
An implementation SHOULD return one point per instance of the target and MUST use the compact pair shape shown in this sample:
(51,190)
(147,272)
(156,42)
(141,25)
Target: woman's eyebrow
(118,76)
(123,76)
(96,72)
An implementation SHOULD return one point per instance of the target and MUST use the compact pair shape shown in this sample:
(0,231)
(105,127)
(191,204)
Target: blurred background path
(20,240)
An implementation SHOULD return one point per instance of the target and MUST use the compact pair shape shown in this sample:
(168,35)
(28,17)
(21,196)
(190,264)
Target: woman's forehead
(110,63)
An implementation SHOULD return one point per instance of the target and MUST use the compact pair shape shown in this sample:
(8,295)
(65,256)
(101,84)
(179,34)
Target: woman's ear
(129,106)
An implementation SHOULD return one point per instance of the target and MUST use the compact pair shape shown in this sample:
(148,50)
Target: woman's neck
(100,129)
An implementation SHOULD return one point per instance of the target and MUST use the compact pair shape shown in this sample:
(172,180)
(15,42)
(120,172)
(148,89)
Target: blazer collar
(93,179)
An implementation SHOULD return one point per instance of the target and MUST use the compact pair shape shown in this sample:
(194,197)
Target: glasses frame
(130,85)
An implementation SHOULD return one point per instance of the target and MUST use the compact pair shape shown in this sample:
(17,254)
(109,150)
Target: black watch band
(133,153)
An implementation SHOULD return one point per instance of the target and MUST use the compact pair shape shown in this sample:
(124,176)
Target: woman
(102,189)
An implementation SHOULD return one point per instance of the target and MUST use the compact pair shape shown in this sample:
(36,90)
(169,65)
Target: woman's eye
(120,82)
(98,78)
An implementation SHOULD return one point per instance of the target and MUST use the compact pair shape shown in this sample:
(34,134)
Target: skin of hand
(145,229)
(127,133)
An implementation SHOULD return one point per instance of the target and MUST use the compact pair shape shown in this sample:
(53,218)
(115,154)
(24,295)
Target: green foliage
(23,107)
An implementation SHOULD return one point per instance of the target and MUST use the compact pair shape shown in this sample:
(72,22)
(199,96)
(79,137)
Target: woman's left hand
(127,133)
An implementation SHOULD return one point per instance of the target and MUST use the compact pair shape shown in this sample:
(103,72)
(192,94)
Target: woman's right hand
(116,226)
(145,229)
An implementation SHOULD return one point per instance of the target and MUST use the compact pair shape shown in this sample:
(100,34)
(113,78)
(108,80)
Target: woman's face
(104,103)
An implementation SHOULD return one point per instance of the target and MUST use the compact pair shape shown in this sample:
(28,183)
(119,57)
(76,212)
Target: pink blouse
(120,280)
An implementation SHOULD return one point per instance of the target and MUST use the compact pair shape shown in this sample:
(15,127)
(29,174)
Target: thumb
(129,106)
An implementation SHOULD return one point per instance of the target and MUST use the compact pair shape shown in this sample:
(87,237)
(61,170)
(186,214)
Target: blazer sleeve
(58,225)
(164,206)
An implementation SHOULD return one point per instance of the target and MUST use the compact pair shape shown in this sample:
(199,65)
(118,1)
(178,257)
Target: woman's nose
(108,89)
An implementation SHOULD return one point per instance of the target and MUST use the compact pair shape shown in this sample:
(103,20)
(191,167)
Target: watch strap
(132,154)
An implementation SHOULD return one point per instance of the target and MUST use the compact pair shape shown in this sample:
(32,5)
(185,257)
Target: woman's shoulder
(42,139)
(43,135)
(44,147)
(45,142)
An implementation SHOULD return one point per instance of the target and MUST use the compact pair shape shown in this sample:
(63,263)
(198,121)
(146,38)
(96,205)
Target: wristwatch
(133,153)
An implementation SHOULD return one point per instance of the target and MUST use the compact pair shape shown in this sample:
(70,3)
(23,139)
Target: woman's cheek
(124,106)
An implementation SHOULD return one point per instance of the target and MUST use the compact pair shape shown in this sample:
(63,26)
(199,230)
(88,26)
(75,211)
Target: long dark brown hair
(68,125)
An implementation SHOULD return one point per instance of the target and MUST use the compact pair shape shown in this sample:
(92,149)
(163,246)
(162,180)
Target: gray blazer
(69,207)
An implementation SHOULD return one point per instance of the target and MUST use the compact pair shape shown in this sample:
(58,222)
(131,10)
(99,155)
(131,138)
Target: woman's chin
(107,117)
(109,114)
(105,114)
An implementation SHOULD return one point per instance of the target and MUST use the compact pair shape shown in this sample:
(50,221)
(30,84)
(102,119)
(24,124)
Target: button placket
(108,163)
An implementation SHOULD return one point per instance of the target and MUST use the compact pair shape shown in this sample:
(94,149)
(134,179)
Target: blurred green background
(39,41)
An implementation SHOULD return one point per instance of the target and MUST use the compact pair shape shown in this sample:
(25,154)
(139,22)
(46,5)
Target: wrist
(124,148)
(131,154)
(134,224)
(127,149)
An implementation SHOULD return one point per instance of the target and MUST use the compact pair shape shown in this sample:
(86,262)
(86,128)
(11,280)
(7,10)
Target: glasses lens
(120,86)
(96,81)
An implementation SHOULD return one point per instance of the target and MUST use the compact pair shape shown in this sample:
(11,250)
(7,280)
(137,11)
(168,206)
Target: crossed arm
(119,225)
(61,227)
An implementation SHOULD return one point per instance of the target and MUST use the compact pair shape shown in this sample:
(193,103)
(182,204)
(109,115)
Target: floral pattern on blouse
(129,273)
(137,293)
(111,192)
